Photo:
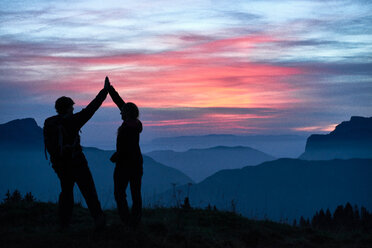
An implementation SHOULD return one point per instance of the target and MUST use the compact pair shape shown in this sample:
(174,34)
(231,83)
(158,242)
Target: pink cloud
(200,75)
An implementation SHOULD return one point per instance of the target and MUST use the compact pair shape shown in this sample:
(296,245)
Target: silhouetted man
(62,141)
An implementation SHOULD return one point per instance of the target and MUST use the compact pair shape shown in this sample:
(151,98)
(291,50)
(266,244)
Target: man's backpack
(56,137)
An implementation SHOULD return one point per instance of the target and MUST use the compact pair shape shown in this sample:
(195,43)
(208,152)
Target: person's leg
(135,188)
(66,197)
(120,185)
(86,185)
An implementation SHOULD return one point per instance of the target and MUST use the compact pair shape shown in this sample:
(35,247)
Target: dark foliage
(29,197)
(16,197)
(186,204)
(344,218)
(35,225)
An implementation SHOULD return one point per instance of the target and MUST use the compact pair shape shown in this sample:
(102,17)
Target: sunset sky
(192,67)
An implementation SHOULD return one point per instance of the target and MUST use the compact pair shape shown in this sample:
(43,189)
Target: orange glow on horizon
(328,128)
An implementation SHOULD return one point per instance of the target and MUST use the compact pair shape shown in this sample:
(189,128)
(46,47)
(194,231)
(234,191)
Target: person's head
(64,105)
(129,111)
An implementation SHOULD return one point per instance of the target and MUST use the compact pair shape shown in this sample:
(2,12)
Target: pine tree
(294,223)
(356,222)
(322,219)
(315,220)
(16,196)
(29,197)
(209,207)
(328,219)
(186,204)
(302,222)
(348,219)
(338,217)
(365,219)
(7,196)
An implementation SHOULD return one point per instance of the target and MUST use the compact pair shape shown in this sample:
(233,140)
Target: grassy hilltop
(34,224)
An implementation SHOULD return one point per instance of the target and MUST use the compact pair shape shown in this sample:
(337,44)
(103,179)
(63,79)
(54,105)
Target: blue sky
(193,67)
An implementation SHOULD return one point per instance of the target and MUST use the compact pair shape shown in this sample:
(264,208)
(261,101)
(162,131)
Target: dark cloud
(157,114)
(14,15)
(355,26)
(335,68)
(342,68)
(337,25)
(242,16)
(17,50)
(310,42)
(196,38)
(68,17)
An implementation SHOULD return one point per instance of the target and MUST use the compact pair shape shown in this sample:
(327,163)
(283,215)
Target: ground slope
(34,225)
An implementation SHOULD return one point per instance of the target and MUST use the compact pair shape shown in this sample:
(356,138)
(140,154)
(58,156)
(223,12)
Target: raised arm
(84,115)
(115,97)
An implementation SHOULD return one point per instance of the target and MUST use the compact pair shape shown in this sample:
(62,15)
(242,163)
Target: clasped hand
(107,83)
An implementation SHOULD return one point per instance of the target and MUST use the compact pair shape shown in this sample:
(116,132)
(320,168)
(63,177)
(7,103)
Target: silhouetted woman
(128,159)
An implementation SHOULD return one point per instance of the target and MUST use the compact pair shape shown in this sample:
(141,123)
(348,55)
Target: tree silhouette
(7,196)
(294,222)
(365,219)
(338,217)
(328,222)
(356,222)
(346,218)
(29,197)
(186,204)
(303,222)
(16,196)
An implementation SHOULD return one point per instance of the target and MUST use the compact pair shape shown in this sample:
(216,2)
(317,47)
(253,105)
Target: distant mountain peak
(223,148)
(350,139)
(201,163)
(357,125)
(21,132)
(21,122)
